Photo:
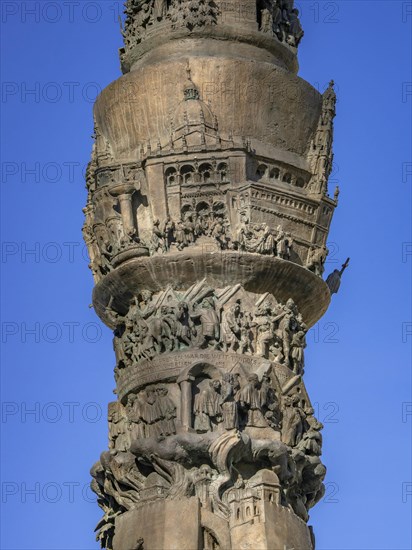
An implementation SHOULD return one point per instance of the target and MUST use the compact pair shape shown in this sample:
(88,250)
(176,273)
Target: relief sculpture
(206,223)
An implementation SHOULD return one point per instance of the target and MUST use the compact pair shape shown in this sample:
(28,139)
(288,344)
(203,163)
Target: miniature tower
(206,222)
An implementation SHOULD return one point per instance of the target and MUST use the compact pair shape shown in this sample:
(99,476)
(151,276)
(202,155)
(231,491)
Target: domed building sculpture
(207,218)
(193,123)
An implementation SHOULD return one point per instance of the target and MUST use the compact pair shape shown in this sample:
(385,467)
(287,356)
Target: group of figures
(151,413)
(110,249)
(257,404)
(169,235)
(157,458)
(257,238)
(227,404)
(142,16)
(281,19)
(169,321)
(230,404)
(188,229)
(261,239)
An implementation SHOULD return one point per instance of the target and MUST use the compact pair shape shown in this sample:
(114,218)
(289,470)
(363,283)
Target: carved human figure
(129,340)
(134,417)
(266,21)
(295,28)
(199,225)
(266,243)
(209,333)
(146,307)
(118,321)
(157,241)
(231,327)
(241,237)
(145,346)
(121,361)
(298,344)
(219,233)
(168,412)
(287,326)
(103,263)
(316,259)
(246,336)
(292,421)
(151,413)
(117,427)
(207,409)
(250,402)
(168,232)
(265,332)
(269,402)
(185,328)
(289,246)
(311,442)
(229,400)
(189,229)
(180,235)
(277,19)
(334,279)
(167,328)
(283,247)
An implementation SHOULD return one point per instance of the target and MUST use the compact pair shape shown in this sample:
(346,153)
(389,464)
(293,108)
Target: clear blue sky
(57,358)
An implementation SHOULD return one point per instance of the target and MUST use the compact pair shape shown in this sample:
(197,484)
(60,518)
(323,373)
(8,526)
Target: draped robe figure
(207,408)
(250,400)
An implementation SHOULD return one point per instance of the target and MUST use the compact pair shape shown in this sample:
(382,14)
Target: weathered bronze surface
(207,217)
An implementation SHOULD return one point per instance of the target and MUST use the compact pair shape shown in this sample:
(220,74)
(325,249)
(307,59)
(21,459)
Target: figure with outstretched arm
(334,279)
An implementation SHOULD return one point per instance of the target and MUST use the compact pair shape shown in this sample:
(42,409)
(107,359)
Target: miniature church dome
(192,114)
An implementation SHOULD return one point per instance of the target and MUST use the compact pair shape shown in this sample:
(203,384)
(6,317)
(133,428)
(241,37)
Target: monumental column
(207,218)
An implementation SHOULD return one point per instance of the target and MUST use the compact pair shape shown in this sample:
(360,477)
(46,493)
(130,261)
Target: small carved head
(253,378)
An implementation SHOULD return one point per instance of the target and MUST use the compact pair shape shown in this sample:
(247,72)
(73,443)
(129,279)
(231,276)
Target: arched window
(171,175)
(187,173)
(202,207)
(300,182)
(287,178)
(261,171)
(205,172)
(248,511)
(274,174)
(223,171)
